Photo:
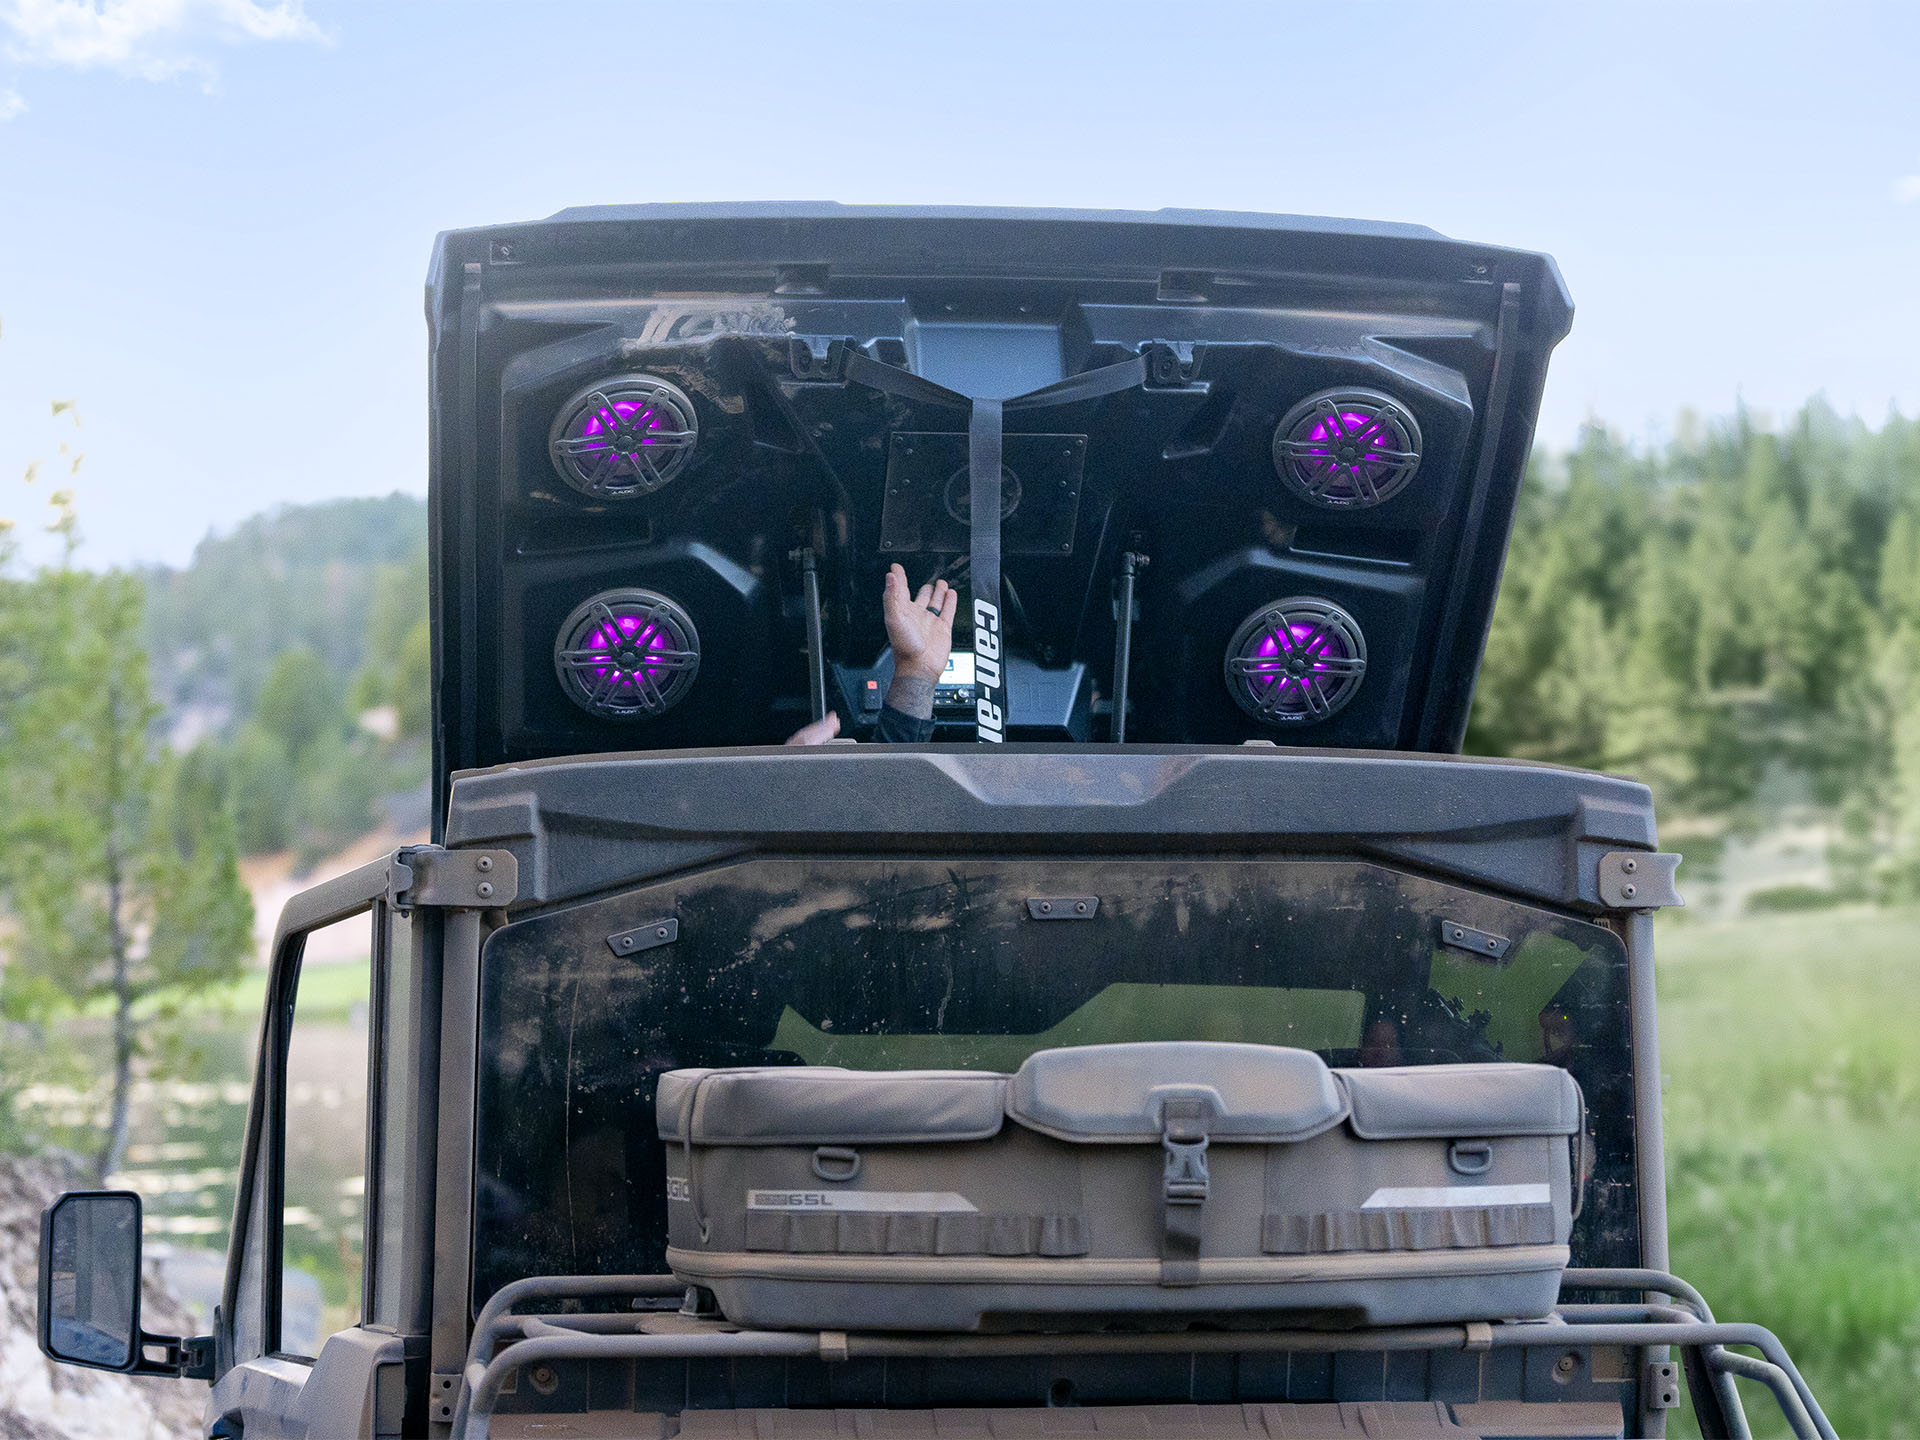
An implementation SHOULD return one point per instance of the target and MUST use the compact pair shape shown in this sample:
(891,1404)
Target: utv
(1187,1041)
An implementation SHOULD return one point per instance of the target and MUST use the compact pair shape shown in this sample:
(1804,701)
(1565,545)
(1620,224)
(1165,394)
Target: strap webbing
(984,445)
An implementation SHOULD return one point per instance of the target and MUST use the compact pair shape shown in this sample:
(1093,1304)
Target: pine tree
(124,881)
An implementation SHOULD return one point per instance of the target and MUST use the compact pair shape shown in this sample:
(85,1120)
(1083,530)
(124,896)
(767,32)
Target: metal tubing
(453,1188)
(1662,1282)
(1726,1362)
(495,1314)
(749,1344)
(1130,564)
(1757,1336)
(1649,1134)
(572,1337)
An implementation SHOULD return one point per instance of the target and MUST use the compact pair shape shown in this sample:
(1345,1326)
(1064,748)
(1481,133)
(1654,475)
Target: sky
(215,215)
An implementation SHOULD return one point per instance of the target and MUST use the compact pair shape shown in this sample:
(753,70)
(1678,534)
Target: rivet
(1045,908)
(484,888)
(1631,866)
(1459,934)
(1066,545)
(626,942)
(1627,890)
(1081,907)
(661,933)
(1493,944)
(485,862)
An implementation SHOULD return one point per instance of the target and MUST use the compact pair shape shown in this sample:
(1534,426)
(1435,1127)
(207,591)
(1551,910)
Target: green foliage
(399,648)
(299,701)
(297,650)
(1790,1113)
(122,882)
(1785,899)
(1736,605)
(295,576)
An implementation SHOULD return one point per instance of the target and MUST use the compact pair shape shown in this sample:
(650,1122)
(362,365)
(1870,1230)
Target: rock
(40,1400)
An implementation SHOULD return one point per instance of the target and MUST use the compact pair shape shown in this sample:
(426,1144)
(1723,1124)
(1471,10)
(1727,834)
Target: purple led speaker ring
(1296,661)
(627,654)
(625,436)
(1347,449)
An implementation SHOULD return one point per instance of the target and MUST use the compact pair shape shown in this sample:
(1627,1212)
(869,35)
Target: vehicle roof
(584,824)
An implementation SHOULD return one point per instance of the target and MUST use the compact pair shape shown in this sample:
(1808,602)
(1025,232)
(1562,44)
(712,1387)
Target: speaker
(1347,449)
(1296,662)
(627,654)
(626,436)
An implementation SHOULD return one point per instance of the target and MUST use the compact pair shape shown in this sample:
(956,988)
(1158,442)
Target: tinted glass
(904,964)
(94,1267)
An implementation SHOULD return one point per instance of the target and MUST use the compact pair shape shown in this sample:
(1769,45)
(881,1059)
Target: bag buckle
(1183,1136)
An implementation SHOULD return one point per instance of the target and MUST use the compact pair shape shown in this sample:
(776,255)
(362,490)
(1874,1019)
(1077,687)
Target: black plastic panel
(749,311)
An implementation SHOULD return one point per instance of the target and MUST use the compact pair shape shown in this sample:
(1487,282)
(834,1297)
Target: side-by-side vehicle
(1188,1040)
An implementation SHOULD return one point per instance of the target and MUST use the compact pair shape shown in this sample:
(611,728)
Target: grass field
(1791,1045)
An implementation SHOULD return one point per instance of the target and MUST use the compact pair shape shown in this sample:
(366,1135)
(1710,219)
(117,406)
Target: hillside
(299,576)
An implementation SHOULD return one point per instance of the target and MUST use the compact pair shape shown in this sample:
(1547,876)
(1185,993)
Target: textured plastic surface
(590,824)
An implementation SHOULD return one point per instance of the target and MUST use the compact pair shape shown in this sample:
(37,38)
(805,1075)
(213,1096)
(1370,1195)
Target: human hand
(816,732)
(919,625)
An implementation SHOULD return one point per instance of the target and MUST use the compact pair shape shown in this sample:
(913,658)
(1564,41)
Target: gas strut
(1130,565)
(816,646)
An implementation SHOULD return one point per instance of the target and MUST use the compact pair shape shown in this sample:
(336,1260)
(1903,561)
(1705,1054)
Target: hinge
(196,1357)
(444,1395)
(1638,880)
(1484,943)
(1663,1385)
(1063,907)
(649,936)
(452,879)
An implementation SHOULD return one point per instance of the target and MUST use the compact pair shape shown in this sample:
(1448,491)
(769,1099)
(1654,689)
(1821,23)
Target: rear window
(951,964)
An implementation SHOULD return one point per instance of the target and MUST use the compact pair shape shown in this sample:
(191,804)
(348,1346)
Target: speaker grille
(1296,662)
(627,654)
(1347,449)
(626,436)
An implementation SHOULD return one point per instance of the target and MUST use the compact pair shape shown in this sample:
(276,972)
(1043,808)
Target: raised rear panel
(689,401)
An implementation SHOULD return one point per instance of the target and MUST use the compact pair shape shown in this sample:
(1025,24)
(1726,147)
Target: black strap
(1088,385)
(984,446)
(878,375)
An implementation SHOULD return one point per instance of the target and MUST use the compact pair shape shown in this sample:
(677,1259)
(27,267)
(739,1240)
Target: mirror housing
(90,1291)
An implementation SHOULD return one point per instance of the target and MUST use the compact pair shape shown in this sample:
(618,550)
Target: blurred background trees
(1733,617)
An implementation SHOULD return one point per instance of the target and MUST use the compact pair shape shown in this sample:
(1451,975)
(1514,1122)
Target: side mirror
(90,1290)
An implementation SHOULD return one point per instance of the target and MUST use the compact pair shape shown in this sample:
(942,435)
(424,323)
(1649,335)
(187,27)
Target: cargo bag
(1105,1181)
